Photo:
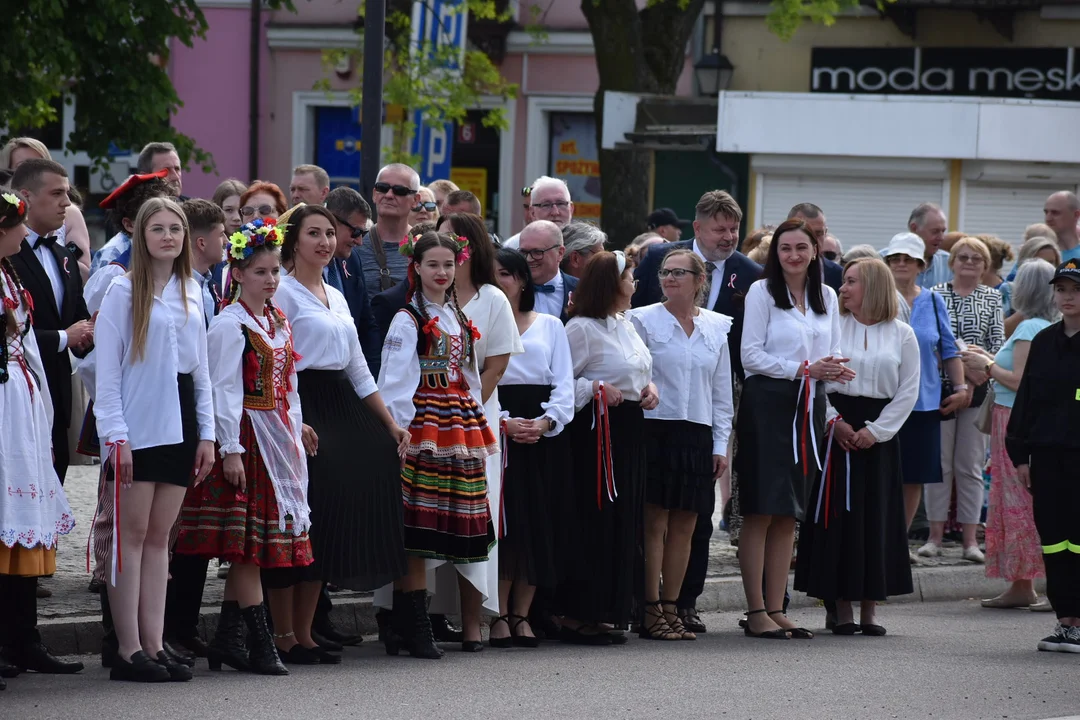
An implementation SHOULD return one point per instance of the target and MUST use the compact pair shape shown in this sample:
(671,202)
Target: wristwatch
(551,424)
(989,364)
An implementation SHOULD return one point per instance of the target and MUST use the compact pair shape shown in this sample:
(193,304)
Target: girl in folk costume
(431,383)
(33,509)
(155,415)
(252,511)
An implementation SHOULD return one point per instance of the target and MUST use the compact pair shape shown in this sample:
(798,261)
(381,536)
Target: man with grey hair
(928,221)
(582,240)
(162,155)
(549,200)
(1062,212)
(832,248)
(310,184)
(396,192)
(542,246)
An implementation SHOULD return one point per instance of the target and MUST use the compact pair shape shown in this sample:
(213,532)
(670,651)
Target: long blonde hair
(142,280)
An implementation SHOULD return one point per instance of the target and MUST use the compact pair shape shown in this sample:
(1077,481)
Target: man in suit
(716,235)
(814,217)
(346,270)
(50,273)
(541,243)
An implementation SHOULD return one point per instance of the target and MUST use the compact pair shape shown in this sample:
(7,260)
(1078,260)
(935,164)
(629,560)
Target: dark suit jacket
(569,283)
(741,272)
(49,320)
(834,274)
(360,307)
(385,305)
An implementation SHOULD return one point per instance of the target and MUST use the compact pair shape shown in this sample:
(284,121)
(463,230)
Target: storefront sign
(1042,73)
(473,179)
(575,159)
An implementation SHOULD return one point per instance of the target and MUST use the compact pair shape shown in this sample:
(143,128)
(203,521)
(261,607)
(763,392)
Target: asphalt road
(940,660)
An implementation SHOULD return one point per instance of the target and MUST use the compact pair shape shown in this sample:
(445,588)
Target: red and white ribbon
(806,392)
(605,470)
(112,455)
(503,528)
(825,489)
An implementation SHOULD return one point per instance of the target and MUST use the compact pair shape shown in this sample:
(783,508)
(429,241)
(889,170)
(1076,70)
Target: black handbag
(947,390)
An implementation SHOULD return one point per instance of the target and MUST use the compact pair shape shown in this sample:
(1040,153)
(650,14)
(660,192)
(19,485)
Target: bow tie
(546,289)
(48,241)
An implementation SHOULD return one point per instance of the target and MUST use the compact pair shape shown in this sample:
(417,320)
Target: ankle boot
(228,646)
(412,627)
(262,654)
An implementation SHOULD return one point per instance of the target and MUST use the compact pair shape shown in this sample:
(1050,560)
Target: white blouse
(399,378)
(138,400)
(324,337)
(776,342)
(608,350)
(546,361)
(885,358)
(492,315)
(692,374)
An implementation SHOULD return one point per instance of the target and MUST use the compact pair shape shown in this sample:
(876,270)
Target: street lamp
(713,73)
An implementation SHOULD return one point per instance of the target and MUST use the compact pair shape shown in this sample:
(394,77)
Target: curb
(81,635)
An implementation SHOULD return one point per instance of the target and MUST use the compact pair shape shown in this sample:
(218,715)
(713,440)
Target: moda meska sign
(1043,73)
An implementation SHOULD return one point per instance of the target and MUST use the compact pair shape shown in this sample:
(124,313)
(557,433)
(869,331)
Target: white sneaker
(974,554)
(929,550)
(1053,641)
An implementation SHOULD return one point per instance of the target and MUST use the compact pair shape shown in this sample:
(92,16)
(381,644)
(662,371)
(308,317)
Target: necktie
(47,241)
(546,289)
(333,276)
(710,268)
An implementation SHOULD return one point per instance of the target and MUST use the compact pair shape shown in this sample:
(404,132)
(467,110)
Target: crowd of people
(531,432)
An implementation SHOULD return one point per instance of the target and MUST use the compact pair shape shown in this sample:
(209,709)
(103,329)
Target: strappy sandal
(797,633)
(504,642)
(675,622)
(780,634)
(514,622)
(656,626)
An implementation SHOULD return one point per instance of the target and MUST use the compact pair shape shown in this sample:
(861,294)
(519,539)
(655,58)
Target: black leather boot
(443,630)
(262,655)
(228,647)
(22,643)
(411,626)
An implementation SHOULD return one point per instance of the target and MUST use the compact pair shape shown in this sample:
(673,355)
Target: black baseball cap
(1068,270)
(665,216)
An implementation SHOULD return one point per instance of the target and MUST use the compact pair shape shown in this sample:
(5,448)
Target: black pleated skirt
(861,553)
(172,464)
(354,489)
(602,544)
(771,482)
(527,540)
(680,470)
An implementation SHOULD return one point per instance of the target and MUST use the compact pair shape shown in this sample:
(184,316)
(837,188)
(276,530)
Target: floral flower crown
(258,232)
(15,201)
(407,246)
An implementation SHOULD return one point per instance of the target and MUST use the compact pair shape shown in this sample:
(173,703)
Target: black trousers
(18,611)
(1055,495)
(698,565)
(62,457)
(183,598)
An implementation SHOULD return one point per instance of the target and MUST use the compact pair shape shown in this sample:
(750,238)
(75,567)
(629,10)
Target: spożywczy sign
(1043,73)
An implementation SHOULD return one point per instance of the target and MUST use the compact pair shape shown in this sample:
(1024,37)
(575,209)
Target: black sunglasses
(429,206)
(830,255)
(354,232)
(399,190)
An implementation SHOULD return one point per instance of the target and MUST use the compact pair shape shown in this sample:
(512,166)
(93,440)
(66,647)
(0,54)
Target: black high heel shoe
(779,634)
(527,641)
(504,642)
(471,646)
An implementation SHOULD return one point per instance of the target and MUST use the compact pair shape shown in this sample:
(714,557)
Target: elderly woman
(639,246)
(426,210)
(1044,247)
(920,437)
(264,200)
(1012,543)
(975,311)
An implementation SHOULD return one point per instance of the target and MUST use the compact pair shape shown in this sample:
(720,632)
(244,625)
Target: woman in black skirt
(602,584)
(790,345)
(853,545)
(687,434)
(537,396)
(357,532)
(155,417)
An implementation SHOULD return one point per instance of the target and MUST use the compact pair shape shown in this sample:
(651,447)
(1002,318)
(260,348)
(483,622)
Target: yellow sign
(475,180)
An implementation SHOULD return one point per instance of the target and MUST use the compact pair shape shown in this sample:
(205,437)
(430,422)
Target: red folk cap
(131,182)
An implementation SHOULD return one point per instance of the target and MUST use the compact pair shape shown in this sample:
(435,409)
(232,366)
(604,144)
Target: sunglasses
(429,206)
(354,232)
(262,210)
(830,255)
(399,190)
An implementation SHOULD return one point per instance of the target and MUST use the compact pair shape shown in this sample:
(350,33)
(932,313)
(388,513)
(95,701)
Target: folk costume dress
(431,385)
(253,371)
(353,487)
(853,544)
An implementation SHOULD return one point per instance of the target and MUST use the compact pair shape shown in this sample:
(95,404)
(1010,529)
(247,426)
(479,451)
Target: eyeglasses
(548,206)
(262,210)
(399,190)
(678,273)
(830,255)
(354,232)
(538,254)
(429,206)
(973,259)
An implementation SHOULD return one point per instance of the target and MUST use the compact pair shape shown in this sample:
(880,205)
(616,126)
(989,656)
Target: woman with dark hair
(601,589)
(537,396)
(356,530)
(262,200)
(790,346)
(227,197)
(30,523)
(432,385)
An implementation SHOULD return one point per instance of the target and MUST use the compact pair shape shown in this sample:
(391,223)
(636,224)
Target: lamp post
(713,71)
(371,104)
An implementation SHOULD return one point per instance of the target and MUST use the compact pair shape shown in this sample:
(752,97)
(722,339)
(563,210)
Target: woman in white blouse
(790,344)
(687,434)
(537,392)
(353,486)
(853,544)
(604,495)
(155,416)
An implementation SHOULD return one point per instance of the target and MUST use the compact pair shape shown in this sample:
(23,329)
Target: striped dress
(431,386)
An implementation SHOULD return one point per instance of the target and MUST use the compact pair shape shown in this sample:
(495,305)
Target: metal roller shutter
(1003,209)
(858,209)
